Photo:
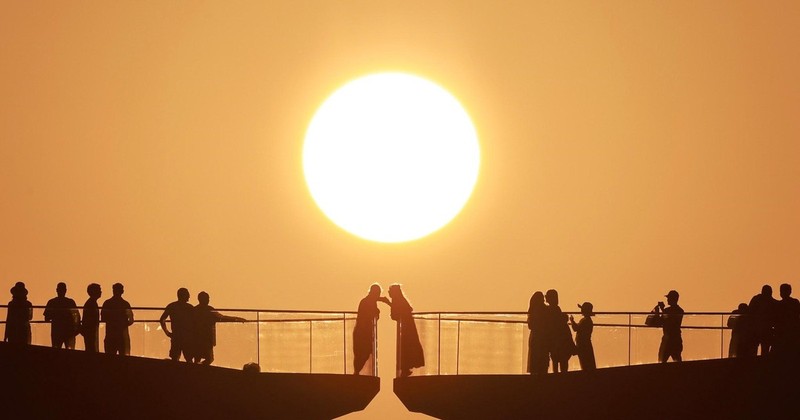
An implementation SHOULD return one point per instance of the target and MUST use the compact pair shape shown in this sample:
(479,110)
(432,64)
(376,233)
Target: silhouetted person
(118,316)
(763,309)
(364,331)
(538,354)
(561,345)
(670,319)
(18,316)
(90,325)
(205,320)
(411,354)
(787,325)
(180,316)
(741,334)
(62,314)
(583,336)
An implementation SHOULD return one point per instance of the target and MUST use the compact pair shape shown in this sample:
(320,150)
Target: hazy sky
(628,148)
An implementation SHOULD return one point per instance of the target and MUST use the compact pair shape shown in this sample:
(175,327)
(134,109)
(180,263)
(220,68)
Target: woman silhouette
(538,358)
(18,317)
(409,347)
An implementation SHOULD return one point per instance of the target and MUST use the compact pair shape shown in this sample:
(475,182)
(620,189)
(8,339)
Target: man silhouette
(364,330)
(180,315)
(763,308)
(62,314)
(118,316)
(205,328)
(787,326)
(670,319)
(91,319)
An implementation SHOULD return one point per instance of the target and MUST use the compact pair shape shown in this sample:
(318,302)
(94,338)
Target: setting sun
(391,157)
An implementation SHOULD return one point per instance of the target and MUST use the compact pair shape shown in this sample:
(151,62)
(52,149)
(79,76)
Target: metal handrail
(480,317)
(339,317)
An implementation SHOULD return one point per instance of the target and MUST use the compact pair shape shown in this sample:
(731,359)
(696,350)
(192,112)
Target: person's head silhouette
(672,297)
(587,309)
(742,308)
(203,298)
(117,289)
(61,289)
(183,294)
(786,290)
(766,290)
(551,297)
(537,299)
(375,290)
(94,291)
(19,291)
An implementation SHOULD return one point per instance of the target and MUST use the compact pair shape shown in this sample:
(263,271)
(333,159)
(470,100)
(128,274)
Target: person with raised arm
(205,319)
(364,330)
(583,336)
(670,319)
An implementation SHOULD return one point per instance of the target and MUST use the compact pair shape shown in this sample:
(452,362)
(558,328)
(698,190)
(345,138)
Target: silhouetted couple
(669,318)
(766,323)
(409,348)
(194,328)
(550,338)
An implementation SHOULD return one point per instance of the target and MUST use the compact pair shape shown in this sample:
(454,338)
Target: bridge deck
(40,382)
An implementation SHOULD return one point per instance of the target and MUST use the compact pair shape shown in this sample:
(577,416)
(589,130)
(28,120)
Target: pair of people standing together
(409,347)
(550,336)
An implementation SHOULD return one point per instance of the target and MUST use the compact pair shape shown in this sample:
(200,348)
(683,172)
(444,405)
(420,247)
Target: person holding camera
(670,319)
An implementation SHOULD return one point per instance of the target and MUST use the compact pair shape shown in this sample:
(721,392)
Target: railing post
(398,349)
(310,345)
(439,349)
(458,345)
(629,339)
(375,347)
(258,339)
(721,336)
(344,343)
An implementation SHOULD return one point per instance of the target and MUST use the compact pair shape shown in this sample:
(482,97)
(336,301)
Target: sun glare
(391,157)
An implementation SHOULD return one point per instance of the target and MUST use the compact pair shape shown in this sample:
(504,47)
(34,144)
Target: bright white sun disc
(391,157)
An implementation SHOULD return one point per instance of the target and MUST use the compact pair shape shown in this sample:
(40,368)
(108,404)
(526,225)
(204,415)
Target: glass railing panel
(609,340)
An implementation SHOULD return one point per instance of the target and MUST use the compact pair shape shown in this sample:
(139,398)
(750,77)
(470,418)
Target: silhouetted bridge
(475,369)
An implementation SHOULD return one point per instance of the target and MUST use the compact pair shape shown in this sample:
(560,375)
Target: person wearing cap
(18,316)
(583,336)
(670,319)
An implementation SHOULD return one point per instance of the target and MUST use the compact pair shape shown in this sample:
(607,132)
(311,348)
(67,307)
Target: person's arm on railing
(226,318)
(163,321)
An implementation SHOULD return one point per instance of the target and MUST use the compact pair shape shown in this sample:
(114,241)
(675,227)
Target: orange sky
(628,148)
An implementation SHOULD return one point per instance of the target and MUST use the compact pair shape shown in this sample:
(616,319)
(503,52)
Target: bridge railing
(279,341)
(497,343)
